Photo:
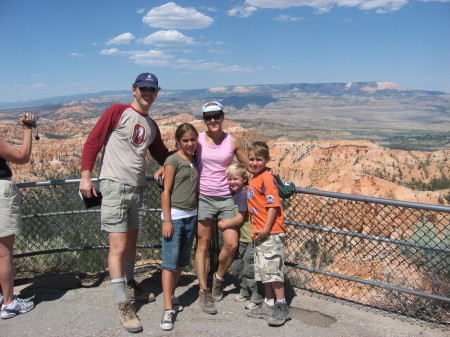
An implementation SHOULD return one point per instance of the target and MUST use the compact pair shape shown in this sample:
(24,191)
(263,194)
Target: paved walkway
(89,310)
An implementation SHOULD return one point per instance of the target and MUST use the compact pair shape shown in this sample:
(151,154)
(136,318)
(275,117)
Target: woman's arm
(15,154)
(169,177)
(239,151)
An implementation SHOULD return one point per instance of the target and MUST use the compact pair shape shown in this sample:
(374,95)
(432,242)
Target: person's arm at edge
(15,154)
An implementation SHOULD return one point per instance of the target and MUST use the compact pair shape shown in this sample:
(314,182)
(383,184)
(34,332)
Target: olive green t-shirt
(183,194)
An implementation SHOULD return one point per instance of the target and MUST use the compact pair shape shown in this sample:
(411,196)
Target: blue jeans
(176,251)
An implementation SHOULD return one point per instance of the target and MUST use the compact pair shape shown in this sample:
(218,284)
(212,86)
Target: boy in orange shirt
(268,232)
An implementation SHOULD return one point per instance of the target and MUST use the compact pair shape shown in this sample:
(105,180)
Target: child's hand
(167,229)
(258,235)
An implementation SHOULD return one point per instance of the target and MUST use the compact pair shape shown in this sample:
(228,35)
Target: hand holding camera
(28,120)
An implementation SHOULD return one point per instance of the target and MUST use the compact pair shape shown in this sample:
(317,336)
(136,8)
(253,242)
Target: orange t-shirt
(262,194)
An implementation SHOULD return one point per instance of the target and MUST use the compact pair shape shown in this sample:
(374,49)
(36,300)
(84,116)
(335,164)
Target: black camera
(31,124)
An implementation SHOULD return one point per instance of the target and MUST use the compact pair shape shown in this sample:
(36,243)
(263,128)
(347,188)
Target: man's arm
(94,143)
(158,149)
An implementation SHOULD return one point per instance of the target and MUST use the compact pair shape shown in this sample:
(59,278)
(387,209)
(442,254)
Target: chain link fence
(381,253)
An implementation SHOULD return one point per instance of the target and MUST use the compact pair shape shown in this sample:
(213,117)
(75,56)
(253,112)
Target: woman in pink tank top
(215,151)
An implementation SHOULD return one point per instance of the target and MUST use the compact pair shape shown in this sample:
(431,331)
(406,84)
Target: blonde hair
(260,149)
(238,168)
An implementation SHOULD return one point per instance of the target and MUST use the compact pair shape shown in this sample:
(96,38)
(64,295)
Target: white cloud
(172,16)
(168,38)
(234,69)
(242,11)
(76,54)
(323,6)
(112,51)
(124,38)
(287,18)
(217,52)
(140,10)
(152,57)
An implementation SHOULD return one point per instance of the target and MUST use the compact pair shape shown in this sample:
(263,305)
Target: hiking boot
(241,298)
(252,305)
(136,293)
(206,302)
(17,306)
(176,305)
(217,289)
(167,320)
(128,318)
(280,314)
(263,311)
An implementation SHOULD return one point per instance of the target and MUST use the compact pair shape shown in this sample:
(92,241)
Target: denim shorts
(176,251)
(123,206)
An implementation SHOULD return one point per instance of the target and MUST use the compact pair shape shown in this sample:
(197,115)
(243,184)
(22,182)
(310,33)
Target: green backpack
(285,189)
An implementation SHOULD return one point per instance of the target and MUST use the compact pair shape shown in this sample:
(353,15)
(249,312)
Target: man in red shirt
(125,132)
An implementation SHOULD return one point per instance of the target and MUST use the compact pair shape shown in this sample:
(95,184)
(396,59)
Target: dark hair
(259,149)
(183,128)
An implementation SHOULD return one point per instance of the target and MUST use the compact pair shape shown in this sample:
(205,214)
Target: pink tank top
(212,163)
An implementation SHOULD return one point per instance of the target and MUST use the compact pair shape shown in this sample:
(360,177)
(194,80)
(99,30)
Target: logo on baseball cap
(147,80)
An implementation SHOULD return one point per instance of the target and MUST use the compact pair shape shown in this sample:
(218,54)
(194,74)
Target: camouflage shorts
(269,258)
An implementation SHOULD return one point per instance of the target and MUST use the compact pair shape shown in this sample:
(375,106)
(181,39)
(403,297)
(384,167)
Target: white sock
(270,301)
(119,290)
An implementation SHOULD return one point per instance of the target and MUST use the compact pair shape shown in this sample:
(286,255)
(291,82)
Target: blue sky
(53,48)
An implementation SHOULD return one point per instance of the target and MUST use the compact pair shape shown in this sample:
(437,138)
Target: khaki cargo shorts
(269,258)
(123,206)
(10,209)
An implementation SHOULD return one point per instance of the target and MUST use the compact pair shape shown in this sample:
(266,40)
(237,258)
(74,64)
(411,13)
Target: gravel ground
(89,310)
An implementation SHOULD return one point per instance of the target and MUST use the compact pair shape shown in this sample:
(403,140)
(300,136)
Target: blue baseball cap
(212,106)
(147,80)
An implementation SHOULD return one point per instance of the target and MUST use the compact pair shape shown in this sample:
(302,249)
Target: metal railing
(382,253)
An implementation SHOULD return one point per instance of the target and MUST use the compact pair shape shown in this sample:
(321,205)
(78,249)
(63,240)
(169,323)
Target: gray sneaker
(206,302)
(17,306)
(167,320)
(263,311)
(280,314)
(217,289)
(135,292)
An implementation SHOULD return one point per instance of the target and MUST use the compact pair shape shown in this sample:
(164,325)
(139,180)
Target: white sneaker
(167,320)
(176,304)
(17,306)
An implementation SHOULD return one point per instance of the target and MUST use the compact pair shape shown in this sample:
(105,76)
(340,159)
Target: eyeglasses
(148,89)
(215,116)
